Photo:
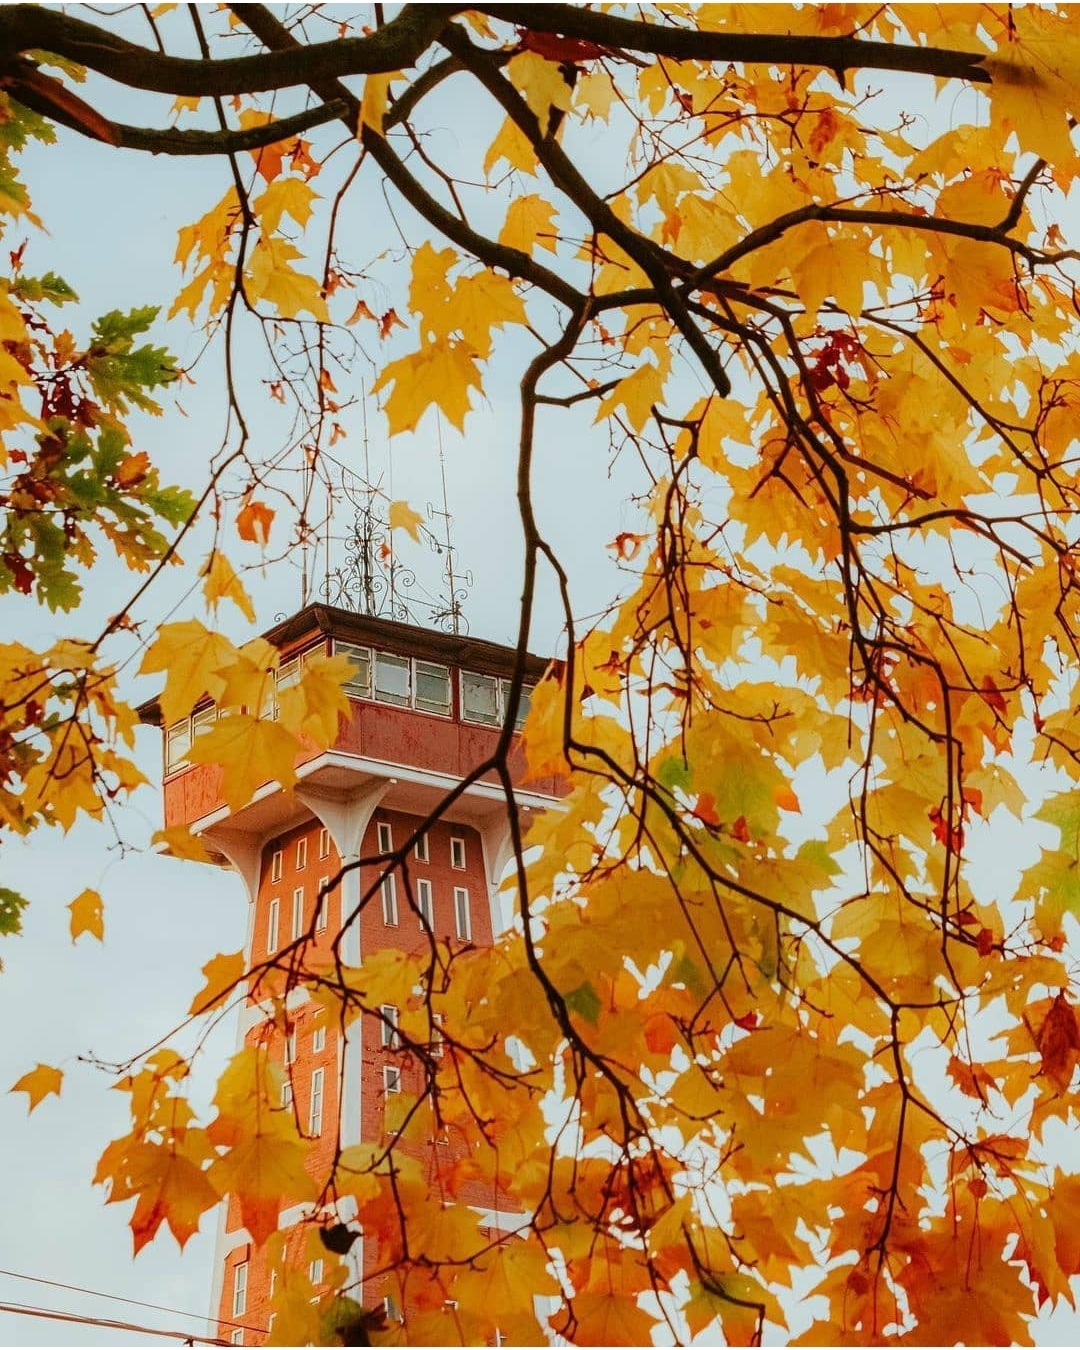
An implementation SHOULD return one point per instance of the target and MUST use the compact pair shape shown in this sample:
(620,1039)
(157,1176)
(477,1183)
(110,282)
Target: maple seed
(338,1238)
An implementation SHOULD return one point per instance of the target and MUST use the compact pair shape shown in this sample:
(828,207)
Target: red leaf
(748,1021)
(1059,1042)
(388,321)
(554,48)
(741,830)
(984,942)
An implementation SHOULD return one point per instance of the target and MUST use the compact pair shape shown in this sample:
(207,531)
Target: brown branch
(174,141)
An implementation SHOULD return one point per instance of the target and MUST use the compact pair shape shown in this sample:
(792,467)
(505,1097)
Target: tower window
(286,1095)
(388,1027)
(297,912)
(324,899)
(462,916)
(432,688)
(301,854)
(272,927)
(359,683)
(392,678)
(479,698)
(318,1040)
(421,849)
(237,1337)
(315,1115)
(391,1309)
(436,1035)
(290,1047)
(424,904)
(315,1271)
(522,709)
(275,866)
(391,1077)
(385,836)
(457,852)
(177,744)
(324,842)
(389,902)
(239,1296)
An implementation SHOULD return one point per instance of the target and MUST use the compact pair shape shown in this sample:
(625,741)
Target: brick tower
(425,709)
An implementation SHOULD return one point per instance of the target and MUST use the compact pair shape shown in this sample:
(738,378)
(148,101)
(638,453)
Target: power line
(134,1302)
(29,1310)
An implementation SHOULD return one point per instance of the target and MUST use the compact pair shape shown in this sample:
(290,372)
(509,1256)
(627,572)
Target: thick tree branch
(174,141)
(693,44)
(397,45)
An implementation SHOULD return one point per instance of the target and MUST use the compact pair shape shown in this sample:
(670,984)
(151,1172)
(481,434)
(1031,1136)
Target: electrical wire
(29,1310)
(133,1302)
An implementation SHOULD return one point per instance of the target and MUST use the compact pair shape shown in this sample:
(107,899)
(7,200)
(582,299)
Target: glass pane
(289,673)
(523,704)
(432,688)
(177,744)
(360,660)
(479,698)
(391,678)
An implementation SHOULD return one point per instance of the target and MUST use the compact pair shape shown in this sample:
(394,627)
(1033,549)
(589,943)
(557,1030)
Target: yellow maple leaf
(315,705)
(530,220)
(285,196)
(376,99)
(87,915)
(637,392)
(179,842)
(271,277)
(403,517)
(167,1180)
(512,145)
(440,373)
(223,973)
(191,656)
(251,752)
(39,1083)
(220,582)
(544,86)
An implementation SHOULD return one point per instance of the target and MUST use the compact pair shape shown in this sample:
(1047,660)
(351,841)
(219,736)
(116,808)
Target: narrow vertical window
(324,842)
(324,900)
(315,1115)
(389,902)
(421,849)
(457,852)
(385,836)
(318,1040)
(301,854)
(391,1309)
(391,1077)
(425,905)
(388,1027)
(272,927)
(276,865)
(290,1047)
(237,1337)
(239,1289)
(297,912)
(462,916)
(315,1271)
(436,1035)
(286,1100)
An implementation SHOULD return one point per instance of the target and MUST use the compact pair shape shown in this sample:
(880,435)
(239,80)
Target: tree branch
(173,141)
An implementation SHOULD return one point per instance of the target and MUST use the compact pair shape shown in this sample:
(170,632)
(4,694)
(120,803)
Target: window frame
(318,1040)
(301,853)
(240,1284)
(322,914)
(290,1046)
(459,893)
(421,849)
(298,913)
(391,1075)
(384,836)
(457,845)
(425,904)
(324,842)
(389,1035)
(286,1094)
(391,661)
(277,864)
(273,925)
(315,1104)
(479,718)
(356,688)
(432,670)
(388,893)
(315,1271)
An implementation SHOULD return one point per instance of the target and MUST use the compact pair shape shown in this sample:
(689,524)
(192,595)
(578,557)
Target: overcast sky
(113,217)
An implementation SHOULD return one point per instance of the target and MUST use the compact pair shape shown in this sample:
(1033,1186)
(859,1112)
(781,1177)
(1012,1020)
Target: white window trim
(391,1077)
(301,854)
(297,913)
(322,916)
(461,894)
(239,1298)
(315,1271)
(290,1047)
(318,1040)
(421,851)
(273,922)
(324,842)
(388,890)
(389,1036)
(457,840)
(286,1095)
(277,864)
(425,903)
(315,1106)
(384,837)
